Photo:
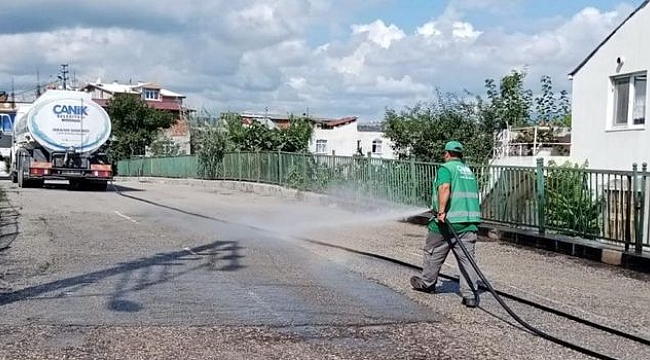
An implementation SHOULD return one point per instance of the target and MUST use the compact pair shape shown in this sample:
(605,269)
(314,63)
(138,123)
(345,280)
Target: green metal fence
(173,167)
(608,205)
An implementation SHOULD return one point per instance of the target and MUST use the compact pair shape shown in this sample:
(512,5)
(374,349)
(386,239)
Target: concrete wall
(343,140)
(594,137)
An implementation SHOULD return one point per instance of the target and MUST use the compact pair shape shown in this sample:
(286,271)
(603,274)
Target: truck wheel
(20,178)
(100,185)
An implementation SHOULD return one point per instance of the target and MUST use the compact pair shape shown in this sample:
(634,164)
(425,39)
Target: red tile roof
(159,105)
(338,122)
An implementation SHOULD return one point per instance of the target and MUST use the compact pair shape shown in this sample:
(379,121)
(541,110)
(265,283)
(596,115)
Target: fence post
(639,209)
(239,174)
(258,159)
(268,167)
(304,171)
(369,166)
(541,196)
(280,168)
(413,182)
(333,172)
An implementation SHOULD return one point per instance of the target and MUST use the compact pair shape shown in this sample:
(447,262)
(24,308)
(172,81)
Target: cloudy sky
(333,57)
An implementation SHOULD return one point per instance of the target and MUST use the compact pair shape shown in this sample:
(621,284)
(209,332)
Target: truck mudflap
(46,170)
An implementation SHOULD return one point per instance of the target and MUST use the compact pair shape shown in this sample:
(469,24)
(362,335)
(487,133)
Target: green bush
(570,204)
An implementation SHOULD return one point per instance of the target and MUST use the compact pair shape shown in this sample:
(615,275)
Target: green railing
(609,205)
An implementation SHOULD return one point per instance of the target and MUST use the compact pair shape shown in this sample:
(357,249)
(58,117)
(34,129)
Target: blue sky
(411,13)
(335,57)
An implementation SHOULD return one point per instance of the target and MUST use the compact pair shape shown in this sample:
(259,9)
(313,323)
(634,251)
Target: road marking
(124,216)
(265,305)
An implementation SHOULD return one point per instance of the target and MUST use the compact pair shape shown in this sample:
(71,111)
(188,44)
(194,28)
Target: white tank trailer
(63,135)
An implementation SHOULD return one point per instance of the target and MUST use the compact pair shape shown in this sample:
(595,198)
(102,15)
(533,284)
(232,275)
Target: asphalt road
(166,271)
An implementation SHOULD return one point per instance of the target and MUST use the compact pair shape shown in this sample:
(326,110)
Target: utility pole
(13,94)
(64,75)
(38,84)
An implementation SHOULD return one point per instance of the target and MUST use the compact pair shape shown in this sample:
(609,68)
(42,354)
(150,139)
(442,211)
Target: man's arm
(443,197)
(443,184)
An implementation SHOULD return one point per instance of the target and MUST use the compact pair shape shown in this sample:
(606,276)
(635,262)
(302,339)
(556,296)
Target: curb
(581,248)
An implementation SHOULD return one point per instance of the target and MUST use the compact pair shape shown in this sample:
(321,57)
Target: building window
(150,94)
(376,146)
(321,146)
(629,100)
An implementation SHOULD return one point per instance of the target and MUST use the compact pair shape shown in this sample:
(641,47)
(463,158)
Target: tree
(510,103)
(135,125)
(421,131)
(258,136)
(545,104)
(550,109)
(297,136)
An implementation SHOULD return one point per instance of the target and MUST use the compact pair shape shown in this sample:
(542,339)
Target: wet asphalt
(192,271)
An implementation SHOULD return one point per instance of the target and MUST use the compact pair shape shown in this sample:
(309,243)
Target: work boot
(418,284)
(470,302)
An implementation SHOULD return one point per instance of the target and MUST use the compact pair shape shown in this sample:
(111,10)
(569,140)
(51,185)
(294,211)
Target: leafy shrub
(569,202)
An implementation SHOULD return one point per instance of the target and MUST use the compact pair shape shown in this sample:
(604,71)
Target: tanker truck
(63,135)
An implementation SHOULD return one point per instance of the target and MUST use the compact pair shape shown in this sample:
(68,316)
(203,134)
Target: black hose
(512,313)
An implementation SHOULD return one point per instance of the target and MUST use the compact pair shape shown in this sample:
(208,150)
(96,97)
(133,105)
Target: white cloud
(297,83)
(463,30)
(379,33)
(240,55)
(429,30)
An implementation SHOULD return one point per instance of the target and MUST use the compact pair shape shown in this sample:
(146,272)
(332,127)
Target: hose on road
(533,329)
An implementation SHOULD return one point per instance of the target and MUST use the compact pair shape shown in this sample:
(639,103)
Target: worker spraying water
(455,203)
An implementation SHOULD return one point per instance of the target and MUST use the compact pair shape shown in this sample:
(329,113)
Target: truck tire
(100,185)
(86,185)
(20,179)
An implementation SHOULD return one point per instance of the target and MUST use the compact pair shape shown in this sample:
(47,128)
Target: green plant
(211,151)
(569,202)
(164,146)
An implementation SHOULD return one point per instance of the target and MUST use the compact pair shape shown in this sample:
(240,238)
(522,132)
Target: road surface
(168,271)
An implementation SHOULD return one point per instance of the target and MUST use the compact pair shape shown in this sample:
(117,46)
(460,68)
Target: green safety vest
(463,205)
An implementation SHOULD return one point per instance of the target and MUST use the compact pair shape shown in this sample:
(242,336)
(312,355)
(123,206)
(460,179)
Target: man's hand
(441,217)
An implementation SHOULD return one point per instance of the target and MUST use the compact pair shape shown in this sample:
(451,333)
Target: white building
(609,109)
(346,137)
